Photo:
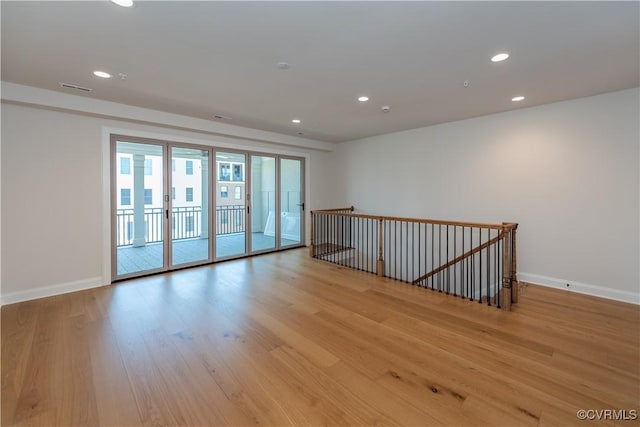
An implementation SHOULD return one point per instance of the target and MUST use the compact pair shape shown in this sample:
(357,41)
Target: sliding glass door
(291,201)
(263,203)
(231,207)
(177,205)
(189,205)
(138,218)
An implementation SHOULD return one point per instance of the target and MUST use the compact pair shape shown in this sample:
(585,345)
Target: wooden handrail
(335,210)
(417,220)
(459,258)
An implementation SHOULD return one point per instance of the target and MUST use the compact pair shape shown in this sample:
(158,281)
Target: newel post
(380,269)
(506,291)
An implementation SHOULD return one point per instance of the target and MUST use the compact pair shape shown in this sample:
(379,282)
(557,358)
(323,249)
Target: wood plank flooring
(283,339)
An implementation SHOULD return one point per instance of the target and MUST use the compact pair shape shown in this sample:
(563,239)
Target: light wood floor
(283,339)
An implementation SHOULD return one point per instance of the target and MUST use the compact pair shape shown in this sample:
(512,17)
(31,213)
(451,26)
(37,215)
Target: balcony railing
(186,223)
(230,219)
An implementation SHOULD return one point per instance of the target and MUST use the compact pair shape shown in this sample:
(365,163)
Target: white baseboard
(48,291)
(581,288)
(94,282)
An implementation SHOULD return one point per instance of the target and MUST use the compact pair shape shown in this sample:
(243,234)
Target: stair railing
(474,261)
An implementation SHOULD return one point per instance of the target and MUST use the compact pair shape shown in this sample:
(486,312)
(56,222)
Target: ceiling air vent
(221,117)
(70,86)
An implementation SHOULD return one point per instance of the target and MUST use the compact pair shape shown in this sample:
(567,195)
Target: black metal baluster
(370,237)
(356,243)
(314,234)
(432,254)
(334,238)
(358,239)
(439,257)
(480,277)
(463,289)
(386,226)
(368,241)
(362,243)
(325,232)
(419,249)
(352,247)
(469,266)
(372,244)
(326,235)
(338,233)
(401,250)
(331,245)
(473,279)
(501,262)
(448,278)
(370,232)
(395,249)
(495,274)
(488,270)
(339,236)
(468,278)
(365,243)
(407,254)
(455,244)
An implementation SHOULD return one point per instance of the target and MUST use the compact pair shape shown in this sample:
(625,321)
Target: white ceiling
(205,58)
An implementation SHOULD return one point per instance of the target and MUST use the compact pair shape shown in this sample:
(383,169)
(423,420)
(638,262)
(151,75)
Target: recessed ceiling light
(517,98)
(499,57)
(123,3)
(284,65)
(102,74)
(296,121)
(363,98)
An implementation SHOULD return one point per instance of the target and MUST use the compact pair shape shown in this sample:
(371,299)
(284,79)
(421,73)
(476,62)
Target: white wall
(566,172)
(51,199)
(53,204)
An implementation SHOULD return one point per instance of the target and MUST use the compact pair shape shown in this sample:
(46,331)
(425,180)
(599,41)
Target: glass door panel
(263,203)
(231,209)
(291,202)
(139,208)
(189,205)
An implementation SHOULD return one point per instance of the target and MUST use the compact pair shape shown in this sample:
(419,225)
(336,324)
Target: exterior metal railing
(473,261)
(186,223)
(230,219)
